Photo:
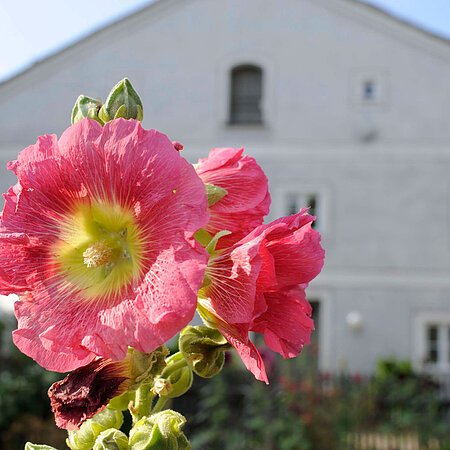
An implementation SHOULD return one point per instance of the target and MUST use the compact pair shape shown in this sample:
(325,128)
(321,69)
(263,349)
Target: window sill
(246,126)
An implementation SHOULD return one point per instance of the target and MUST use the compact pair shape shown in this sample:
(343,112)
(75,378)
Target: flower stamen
(98,254)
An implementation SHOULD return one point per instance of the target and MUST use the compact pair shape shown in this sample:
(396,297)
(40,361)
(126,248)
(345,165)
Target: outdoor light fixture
(354,321)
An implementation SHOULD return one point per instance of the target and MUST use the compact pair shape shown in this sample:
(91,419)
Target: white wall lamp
(354,321)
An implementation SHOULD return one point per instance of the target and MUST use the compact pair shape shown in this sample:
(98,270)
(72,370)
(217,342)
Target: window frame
(423,321)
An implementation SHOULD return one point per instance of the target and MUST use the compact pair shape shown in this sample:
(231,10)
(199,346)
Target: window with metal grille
(246,95)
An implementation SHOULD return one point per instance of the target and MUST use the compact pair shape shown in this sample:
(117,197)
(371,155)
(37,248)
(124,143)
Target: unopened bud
(178,374)
(159,431)
(111,439)
(84,438)
(203,348)
(86,107)
(123,101)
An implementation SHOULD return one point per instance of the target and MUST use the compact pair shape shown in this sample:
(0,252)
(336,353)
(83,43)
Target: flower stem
(142,403)
(159,405)
(174,367)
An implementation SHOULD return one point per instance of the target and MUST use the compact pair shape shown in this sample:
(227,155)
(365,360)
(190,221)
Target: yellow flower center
(100,249)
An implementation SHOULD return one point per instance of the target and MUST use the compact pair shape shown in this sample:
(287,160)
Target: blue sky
(32,29)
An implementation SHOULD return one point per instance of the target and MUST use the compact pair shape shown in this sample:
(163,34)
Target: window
(246,95)
(296,201)
(437,346)
(369,90)
(311,353)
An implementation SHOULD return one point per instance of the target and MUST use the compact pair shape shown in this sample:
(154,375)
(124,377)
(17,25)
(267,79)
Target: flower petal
(286,324)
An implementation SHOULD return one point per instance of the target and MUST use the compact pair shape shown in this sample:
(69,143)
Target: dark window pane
(246,95)
(432,333)
(292,204)
(369,90)
(432,344)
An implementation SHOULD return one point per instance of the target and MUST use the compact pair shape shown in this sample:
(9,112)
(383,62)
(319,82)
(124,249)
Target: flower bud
(178,377)
(111,439)
(160,431)
(203,348)
(84,438)
(86,107)
(123,101)
(30,446)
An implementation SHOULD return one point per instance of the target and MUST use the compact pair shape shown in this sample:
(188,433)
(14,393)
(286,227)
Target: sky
(33,29)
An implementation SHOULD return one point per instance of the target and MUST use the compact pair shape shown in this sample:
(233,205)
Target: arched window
(246,95)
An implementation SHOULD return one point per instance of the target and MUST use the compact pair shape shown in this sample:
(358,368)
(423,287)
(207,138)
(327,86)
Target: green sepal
(144,367)
(203,348)
(203,237)
(211,247)
(215,193)
(30,446)
(122,401)
(86,107)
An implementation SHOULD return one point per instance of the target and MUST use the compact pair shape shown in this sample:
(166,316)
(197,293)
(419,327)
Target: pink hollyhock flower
(247,198)
(97,235)
(259,285)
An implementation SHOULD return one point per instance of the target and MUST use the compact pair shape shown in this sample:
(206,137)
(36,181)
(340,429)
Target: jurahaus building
(346,108)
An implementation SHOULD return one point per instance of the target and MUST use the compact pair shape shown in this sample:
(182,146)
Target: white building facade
(346,109)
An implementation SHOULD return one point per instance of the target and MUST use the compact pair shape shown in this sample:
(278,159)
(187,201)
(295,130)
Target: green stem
(143,402)
(159,405)
(173,367)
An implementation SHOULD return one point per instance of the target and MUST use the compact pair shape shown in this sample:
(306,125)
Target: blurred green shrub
(25,412)
(302,409)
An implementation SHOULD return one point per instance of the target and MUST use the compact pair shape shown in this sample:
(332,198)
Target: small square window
(369,90)
(369,87)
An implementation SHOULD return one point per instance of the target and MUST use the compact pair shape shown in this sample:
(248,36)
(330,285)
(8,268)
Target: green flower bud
(160,431)
(177,376)
(111,439)
(86,107)
(215,193)
(84,438)
(123,101)
(30,446)
(203,348)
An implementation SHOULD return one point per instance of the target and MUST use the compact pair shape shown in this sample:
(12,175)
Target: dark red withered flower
(87,390)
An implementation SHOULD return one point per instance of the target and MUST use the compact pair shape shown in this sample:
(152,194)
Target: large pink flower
(258,285)
(97,236)
(247,198)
